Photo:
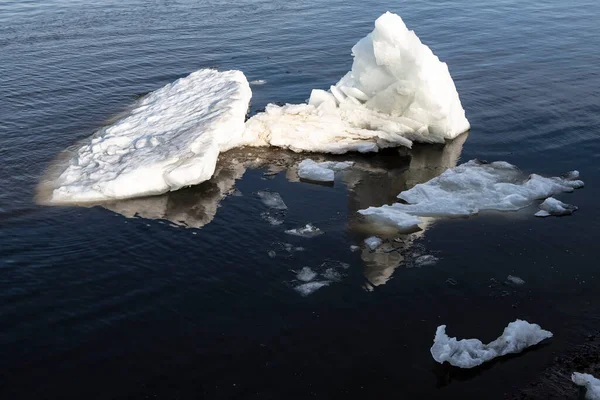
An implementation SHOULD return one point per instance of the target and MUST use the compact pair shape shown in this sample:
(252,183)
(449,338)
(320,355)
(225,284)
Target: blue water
(97,305)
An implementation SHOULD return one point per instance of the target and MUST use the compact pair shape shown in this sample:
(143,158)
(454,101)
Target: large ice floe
(590,383)
(469,353)
(170,139)
(469,188)
(397,92)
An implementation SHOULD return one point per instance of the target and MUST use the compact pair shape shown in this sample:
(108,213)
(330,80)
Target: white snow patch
(373,242)
(272,200)
(309,288)
(321,172)
(588,381)
(469,188)
(469,353)
(308,231)
(515,279)
(170,139)
(552,206)
(397,91)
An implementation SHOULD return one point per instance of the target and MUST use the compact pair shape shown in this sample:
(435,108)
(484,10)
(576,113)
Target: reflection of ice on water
(372,181)
(380,186)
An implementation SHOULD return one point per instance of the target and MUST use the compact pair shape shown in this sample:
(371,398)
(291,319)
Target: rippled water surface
(196,294)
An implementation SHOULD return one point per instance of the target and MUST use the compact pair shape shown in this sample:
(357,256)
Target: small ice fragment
(272,254)
(469,353)
(272,200)
(425,260)
(452,281)
(309,288)
(308,231)
(588,381)
(515,279)
(552,206)
(306,274)
(258,82)
(332,275)
(321,172)
(373,242)
(272,219)
(354,248)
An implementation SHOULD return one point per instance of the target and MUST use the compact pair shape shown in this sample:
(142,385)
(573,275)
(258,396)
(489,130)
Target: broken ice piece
(469,353)
(306,274)
(515,279)
(591,384)
(321,172)
(309,288)
(306,231)
(272,200)
(552,206)
(373,242)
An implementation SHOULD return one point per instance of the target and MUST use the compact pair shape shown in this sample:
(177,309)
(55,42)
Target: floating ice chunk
(515,279)
(258,82)
(272,254)
(469,353)
(393,216)
(471,187)
(354,248)
(272,200)
(170,139)
(551,206)
(321,172)
(425,260)
(306,274)
(309,288)
(588,381)
(397,91)
(373,242)
(308,231)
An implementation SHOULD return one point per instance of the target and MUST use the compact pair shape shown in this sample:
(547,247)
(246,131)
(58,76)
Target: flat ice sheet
(469,353)
(470,188)
(398,91)
(171,138)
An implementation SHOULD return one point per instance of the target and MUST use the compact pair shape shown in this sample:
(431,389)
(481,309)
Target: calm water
(95,304)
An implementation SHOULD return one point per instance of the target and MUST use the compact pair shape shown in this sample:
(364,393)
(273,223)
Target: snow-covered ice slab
(552,206)
(470,188)
(321,171)
(397,92)
(171,138)
(591,384)
(469,353)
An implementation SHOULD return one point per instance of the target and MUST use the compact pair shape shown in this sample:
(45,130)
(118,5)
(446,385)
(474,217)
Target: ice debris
(171,138)
(591,384)
(425,260)
(306,274)
(322,171)
(515,279)
(469,353)
(308,231)
(552,206)
(373,242)
(470,188)
(310,287)
(272,200)
(397,92)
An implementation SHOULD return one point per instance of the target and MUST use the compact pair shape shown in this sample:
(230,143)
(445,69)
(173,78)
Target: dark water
(95,304)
